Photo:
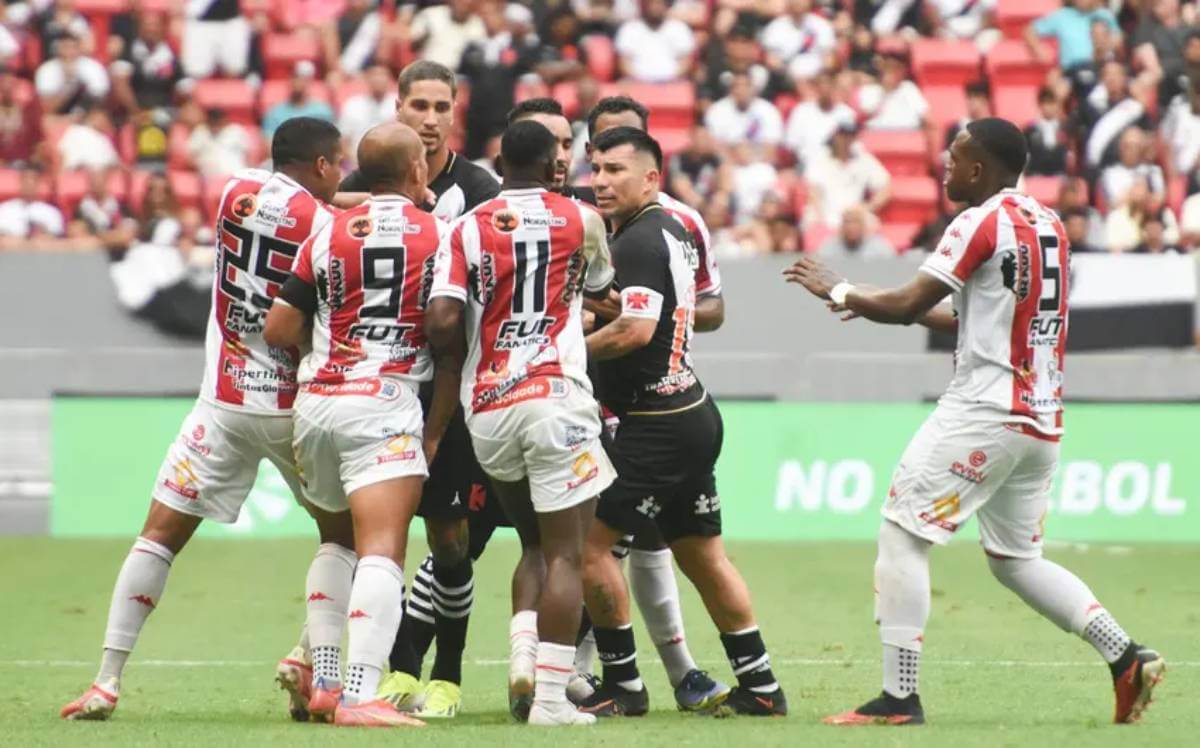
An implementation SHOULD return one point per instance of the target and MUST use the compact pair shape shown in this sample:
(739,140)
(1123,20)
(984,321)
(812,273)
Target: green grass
(240,602)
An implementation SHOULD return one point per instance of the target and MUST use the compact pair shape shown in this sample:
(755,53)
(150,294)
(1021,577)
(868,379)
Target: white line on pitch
(816,662)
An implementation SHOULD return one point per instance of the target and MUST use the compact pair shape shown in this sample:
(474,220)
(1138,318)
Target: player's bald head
(388,154)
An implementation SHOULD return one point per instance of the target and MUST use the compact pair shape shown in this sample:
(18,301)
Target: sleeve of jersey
(600,271)
(302,265)
(643,277)
(450,266)
(969,241)
(708,277)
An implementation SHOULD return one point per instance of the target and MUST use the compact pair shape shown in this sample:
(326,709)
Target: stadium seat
(902,152)
(10,184)
(567,95)
(234,96)
(814,235)
(1016,103)
(281,52)
(275,91)
(350,88)
(529,89)
(1043,189)
(900,235)
(672,140)
(944,62)
(99,15)
(947,105)
(1176,194)
(177,150)
(914,200)
(601,57)
(1012,16)
(671,104)
(73,185)
(24,93)
(187,188)
(1010,63)
(213,188)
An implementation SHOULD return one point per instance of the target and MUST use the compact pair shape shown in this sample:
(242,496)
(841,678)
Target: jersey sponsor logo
(650,507)
(1045,331)
(708,504)
(379,388)
(400,448)
(482,280)
(359,227)
(977,458)
(516,333)
(575,436)
(637,301)
(336,294)
(198,432)
(506,220)
(193,444)
(585,469)
(673,383)
(277,215)
(184,479)
(243,321)
(426,281)
(1014,271)
(967,473)
(393,224)
(943,509)
(506,396)
(542,219)
(575,275)
(245,205)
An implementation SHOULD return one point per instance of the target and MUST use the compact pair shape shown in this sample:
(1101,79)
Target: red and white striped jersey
(708,276)
(372,268)
(1008,263)
(262,220)
(519,263)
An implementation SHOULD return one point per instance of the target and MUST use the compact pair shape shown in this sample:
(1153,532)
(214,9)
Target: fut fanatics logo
(359,227)
(245,205)
(637,301)
(943,509)
(585,469)
(506,221)
(400,448)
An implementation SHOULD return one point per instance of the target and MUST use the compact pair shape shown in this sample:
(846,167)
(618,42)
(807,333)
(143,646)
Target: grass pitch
(994,674)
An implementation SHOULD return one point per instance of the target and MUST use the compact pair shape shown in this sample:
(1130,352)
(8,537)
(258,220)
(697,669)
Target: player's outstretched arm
(710,312)
(941,318)
(897,306)
(446,332)
(624,336)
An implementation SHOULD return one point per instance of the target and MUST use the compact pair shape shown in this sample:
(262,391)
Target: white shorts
(953,469)
(213,463)
(552,440)
(345,442)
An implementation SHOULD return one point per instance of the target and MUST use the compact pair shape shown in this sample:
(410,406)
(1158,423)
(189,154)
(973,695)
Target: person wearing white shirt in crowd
(744,117)
(69,79)
(813,121)
(856,238)
(965,19)
(216,37)
(654,48)
(1181,131)
(1189,222)
(26,216)
(442,32)
(844,175)
(366,110)
(1124,225)
(1132,163)
(88,144)
(895,103)
(753,179)
(219,147)
(802,40)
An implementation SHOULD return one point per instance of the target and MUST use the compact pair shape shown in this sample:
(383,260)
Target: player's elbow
(710,314)
(280,331)
(442,320)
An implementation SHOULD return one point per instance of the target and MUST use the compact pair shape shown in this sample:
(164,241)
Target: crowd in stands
(792,125)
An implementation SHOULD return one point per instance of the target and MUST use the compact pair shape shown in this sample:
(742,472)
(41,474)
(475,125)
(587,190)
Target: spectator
(10,47)
(800,41)
(158,222)
(561,56)
(964,19)
(21,140)
(1189,222)
(654,48)
(148,71)
(1132,163)
(844,175)
(100,215)
(812,122)
(753,179)
(1160,37)
(298,103)
(215,36)
(862,60)
(895,103)
(68,80)
(61,19)
(770,230)
(737,52)
(219,147)
(1132,109)
(1154,237)
(601,16)
(698,173)
(1181,132)
(979,105)
(1071,25)
(744,117)
(88,144)
(1077,222)
(363,111)
(27,216)
(1047,137)
(1124,226)
(352,38)
(887,16)
(1073,195)
(442,32)
(855,238)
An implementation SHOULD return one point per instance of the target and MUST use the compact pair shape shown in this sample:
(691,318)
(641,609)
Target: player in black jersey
(439,602)
(668,442)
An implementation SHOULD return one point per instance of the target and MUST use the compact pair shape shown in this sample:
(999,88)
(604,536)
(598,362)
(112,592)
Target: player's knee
(1006,569)
(168,527)
(449,542)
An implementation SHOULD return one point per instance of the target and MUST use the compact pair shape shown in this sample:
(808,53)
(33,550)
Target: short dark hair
(639,139)
(426,70)
(616,105)
(525,145)
(539,105)
(1045,94)
(979,88)
(300,140)
(1076,212)
(1002,140)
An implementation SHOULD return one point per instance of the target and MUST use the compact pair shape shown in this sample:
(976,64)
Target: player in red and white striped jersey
(519,264)
(991,446)
(243,414)
(359,284)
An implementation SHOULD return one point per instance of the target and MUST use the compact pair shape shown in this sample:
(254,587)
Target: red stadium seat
(73,185)
(234,96)
(138,180)
(902,152)
(672,140)
(1010,63)
(900,235)
(99,15)
(944,62)
(947,105)
(352,87)
(1043,189)
(526,89)
(187,188)
(10,184)
(276,91)
(1017,103)
(281,52)
(601,57)
(1012,16)
(671,104)
(798,198)
(914,200)
(213,188)
(177,150)
(1176,194)
(24,93)
(814,235)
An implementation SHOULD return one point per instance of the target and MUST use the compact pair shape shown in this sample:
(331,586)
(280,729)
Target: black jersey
(655,263)
(460,186)
(582,194)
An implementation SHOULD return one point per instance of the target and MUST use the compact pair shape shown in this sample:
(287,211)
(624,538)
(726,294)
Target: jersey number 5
(241,253)
(1052,285)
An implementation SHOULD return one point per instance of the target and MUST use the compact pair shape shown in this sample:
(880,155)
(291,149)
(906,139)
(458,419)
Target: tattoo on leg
(606,605)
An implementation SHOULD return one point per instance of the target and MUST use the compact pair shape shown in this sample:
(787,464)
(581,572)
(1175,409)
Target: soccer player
(244,412)
(990,448)
(443,590)
(520,264)
(355,293)
(668,442)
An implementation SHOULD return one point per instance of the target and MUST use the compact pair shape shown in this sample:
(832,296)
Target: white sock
(376,606)
(902,581)
(327,594)
(523,644)
(585,654)
(554,668)
(1063,598)
(304,643)
(137,592)
(652,579)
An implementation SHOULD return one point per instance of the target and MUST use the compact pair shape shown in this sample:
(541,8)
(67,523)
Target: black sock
(453,594)
(748,657)
(585,625)
(417,626)
(618,655)
(403,658)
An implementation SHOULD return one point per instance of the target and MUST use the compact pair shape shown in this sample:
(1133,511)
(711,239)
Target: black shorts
(454,469)
(665,474)
(484,517)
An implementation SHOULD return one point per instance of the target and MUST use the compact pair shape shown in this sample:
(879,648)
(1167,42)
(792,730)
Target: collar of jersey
(633,219)
(524,191)
(289,181)
(390,197)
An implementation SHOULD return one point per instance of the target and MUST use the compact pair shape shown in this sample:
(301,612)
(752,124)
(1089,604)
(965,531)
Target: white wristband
(838,293)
